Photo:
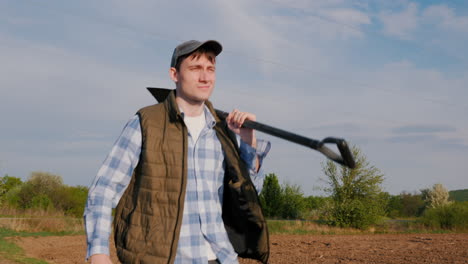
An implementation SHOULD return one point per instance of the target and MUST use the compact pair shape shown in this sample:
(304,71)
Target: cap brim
(212,45)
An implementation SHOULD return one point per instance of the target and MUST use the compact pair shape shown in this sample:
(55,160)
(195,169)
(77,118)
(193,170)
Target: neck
(190,108)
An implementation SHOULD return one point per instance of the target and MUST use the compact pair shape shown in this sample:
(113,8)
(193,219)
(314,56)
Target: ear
(173,74)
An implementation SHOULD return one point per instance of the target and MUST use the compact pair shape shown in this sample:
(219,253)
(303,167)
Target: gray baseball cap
(192,45)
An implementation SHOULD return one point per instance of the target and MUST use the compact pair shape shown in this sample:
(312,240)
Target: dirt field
(406,248)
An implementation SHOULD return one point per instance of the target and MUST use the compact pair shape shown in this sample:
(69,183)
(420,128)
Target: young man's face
(195,78)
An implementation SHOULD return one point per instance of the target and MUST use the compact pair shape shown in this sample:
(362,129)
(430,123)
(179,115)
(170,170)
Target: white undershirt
(195,125)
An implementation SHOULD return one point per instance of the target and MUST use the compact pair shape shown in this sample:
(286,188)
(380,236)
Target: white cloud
(434,26)
(401,24)
(306,4)
(55,80)
(347,21)
(445,17)
(351,16)
(329,19)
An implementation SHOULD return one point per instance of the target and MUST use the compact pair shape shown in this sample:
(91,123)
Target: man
(182,181)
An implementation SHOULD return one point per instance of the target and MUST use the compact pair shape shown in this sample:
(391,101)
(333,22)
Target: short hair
(195,55)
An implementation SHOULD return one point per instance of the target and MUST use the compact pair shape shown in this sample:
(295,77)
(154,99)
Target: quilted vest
(148,217)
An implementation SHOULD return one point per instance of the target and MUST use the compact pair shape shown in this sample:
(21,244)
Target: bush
(355,213)
(44,191)
(41,201)
(7,183)
(314,206)
(437,196)
(12,197)
(357,198)
(452,216)
(71,200)
(271,196)
(282,201)
(294,204)
(412,204)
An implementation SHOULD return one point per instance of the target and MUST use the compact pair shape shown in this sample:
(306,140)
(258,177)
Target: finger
(229,117)
(232,115)
(235,117)
(238,117)
(242,118)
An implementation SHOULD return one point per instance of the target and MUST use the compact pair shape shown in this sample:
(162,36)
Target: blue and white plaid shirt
(202,219)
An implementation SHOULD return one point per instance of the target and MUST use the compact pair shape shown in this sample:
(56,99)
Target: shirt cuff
(249,154)
(263,147)
(98,247)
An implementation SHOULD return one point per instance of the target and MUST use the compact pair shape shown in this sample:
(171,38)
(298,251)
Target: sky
(390,77)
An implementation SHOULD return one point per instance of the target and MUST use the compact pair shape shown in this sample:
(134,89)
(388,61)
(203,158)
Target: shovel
(345,159)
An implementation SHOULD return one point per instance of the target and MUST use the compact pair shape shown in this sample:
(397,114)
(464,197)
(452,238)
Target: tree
(394,206)
(356,193)
(437,196)
(294,203)
(314,206)
(411,204)
(71,200)
(40,184)
(7,183)
(271,196)
(45,182)
(282,201)
(44,191)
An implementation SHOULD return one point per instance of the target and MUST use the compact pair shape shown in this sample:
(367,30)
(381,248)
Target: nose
(203,76)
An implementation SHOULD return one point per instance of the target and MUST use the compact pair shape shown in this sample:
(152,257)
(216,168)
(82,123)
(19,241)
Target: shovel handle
(345,158)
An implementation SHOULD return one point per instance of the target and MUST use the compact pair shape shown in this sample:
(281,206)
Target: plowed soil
(400,248)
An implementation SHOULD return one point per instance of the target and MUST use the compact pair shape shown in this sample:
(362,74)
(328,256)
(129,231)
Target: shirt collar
(209,118)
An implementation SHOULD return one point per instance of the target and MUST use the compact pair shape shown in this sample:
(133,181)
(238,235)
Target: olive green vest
(148,217)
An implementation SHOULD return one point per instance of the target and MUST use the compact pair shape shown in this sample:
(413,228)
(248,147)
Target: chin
(204,96)
(199,99)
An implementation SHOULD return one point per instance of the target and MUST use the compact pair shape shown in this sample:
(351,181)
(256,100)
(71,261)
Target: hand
(235,119)
(100,259)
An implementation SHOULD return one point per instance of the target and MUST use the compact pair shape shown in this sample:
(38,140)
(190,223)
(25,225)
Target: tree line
(42,191)
(354,198)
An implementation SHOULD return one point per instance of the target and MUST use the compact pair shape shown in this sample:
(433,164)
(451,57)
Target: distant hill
(459,195)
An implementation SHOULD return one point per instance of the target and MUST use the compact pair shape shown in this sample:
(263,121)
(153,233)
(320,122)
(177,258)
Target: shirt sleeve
(109,185)
(249,155)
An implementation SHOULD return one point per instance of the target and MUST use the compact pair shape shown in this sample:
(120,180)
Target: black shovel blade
(159,93)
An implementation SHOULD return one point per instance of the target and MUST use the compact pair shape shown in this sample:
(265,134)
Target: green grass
(298,227)
(10,251)
(386,226)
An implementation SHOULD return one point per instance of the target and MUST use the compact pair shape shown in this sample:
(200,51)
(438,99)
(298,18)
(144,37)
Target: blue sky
(390,77)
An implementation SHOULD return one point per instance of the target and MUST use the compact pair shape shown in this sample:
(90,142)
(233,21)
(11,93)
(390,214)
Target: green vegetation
(357,198)
(459,195)
(387,226)
(271,196)
(405,205)
(311,227)
(285,202)
(42,191)
(451,216)
(436,196)
(356,201)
